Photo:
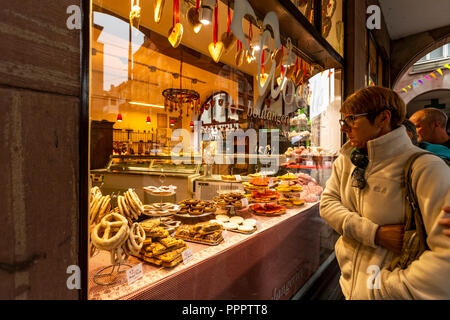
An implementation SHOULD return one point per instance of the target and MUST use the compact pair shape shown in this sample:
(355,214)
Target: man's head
(370,113)
(431,125)
(411,131)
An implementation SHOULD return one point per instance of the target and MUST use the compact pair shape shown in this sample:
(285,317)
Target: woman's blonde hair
(374,100)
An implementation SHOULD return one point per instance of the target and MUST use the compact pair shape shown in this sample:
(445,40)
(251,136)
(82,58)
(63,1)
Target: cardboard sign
(187,255)
(134,273)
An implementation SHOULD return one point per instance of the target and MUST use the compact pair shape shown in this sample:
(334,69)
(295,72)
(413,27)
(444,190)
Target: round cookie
(216,221)
(230,226)
(245,228)
(237,219)
(222,218)
(249,222)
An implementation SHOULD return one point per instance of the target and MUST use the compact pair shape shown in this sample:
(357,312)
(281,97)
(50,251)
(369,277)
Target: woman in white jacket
(363,202)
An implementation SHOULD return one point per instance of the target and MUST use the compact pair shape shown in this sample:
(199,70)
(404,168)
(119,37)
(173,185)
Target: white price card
(187,255)
(328,164)
(258,225)
(134,273)
(271,182)
(238,177)
(244,202)
(309,163)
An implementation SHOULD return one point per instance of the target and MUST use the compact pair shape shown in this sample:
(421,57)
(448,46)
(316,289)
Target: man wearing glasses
(363,202)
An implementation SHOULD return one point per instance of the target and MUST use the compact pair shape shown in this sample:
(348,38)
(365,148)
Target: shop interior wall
(40,107)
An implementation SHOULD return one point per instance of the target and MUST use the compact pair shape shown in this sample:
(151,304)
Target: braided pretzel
(136,239)
(111,238)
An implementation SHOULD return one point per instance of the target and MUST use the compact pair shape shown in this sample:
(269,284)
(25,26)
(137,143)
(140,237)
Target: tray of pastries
(284,188)
(192,208)
(268,209)
(287,177)
(161,191)
(236,224)
(160,209)
(203,233)
(160,249)
(264,196)
(290,202)
(227,199)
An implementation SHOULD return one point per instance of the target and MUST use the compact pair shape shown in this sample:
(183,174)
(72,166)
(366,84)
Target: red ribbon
(296,64)
(229,18)
(262,61)
(238,46)
(282,71)
(197,5)
(216,23)
(176,12)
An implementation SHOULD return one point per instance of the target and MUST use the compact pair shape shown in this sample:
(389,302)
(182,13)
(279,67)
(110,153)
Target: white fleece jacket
(356,214)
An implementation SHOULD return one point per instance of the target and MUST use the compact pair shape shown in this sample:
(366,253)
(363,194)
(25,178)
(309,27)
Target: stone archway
(432,98)
(407,51)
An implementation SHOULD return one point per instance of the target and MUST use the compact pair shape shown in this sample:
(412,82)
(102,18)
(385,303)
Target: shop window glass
(437,54)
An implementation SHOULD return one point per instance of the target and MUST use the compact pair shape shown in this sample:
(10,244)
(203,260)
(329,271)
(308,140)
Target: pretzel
(115,232)
(135,208)
(136,238)
(123,206)
(94,201)
(104,208)
(136,197)
(95,209)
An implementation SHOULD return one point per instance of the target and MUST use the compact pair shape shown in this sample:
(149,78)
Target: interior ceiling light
(146,104)
(207,11)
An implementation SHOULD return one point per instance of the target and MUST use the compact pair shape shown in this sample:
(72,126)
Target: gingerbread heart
(175,35)
(228,40)
(216,50)
(262,79)
(158,9)
(193,17)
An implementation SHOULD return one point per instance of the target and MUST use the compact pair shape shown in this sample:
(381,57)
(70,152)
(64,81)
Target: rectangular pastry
(157,262)
(158,232)
(172,263)
(168,242)
(172,255)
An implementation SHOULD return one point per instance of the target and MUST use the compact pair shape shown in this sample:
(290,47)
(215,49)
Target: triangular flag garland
(432,74)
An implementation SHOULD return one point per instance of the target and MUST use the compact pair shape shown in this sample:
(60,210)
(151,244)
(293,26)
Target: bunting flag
(427,77)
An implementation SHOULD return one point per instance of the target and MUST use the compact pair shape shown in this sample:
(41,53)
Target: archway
(435,98)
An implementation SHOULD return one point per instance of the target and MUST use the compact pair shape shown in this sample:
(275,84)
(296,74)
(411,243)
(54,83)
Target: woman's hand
(390,237)
(446,221)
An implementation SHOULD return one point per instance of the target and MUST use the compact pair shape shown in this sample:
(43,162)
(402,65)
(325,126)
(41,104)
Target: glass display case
(150,164)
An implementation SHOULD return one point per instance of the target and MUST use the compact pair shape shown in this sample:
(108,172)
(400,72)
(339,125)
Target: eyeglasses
(350,120)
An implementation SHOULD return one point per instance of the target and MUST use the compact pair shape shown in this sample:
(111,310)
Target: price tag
(187,255)
(309,163)
(258,225)
(238,177)
(271,182)
(134,273)
(244,202)
(328,164)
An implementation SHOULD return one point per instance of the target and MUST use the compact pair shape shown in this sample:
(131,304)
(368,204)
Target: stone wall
(40,107)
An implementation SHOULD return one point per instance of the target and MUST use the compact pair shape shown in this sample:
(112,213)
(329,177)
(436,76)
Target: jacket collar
(387,146)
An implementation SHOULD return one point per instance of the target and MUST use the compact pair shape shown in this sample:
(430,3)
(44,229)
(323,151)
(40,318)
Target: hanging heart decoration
(239,58)
(216,48)
(176,32)
(277,55)
(228,37)
(135,14)
(193,17)
(298,78)
(158,9)
(250,54)
(263,77)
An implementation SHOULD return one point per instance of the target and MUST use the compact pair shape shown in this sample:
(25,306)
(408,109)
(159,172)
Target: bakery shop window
(160,78)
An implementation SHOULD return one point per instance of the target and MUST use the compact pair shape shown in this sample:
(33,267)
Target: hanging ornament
(119,118)
(277,55)
(149,120)
(251,53)
(228,37)
(176,32)
(135,14)
(193,17)
(158,9)
(298,77)
(216,48)
(264,76)
(239,58)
